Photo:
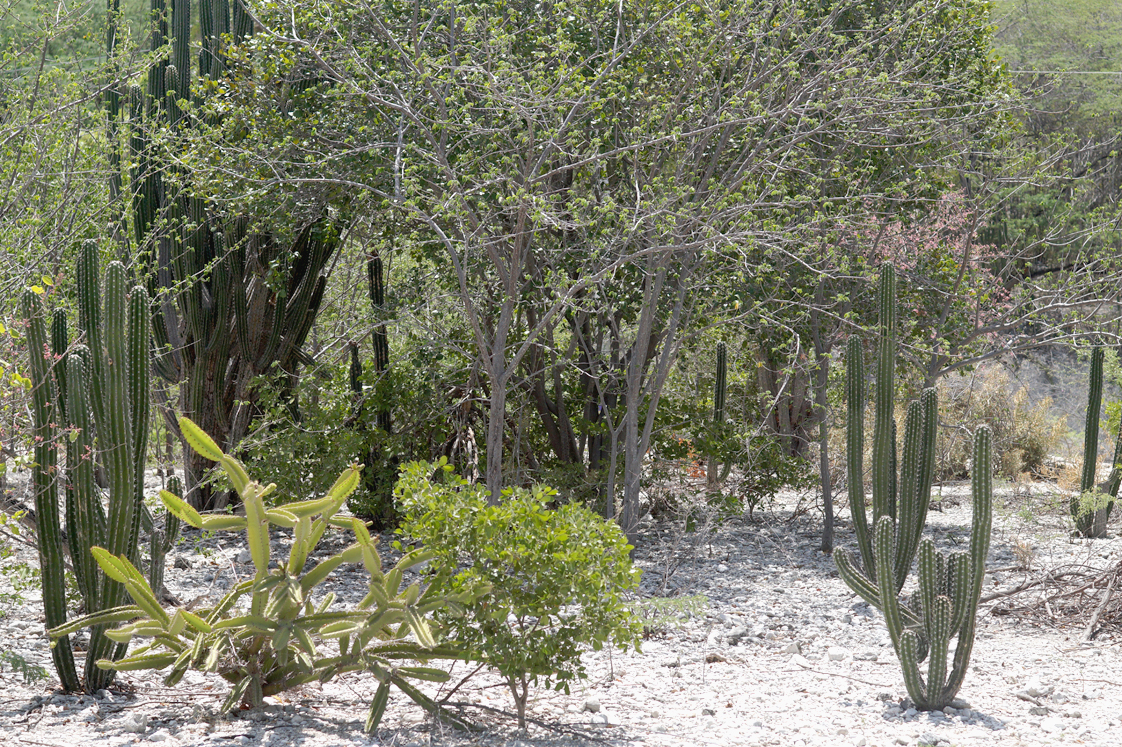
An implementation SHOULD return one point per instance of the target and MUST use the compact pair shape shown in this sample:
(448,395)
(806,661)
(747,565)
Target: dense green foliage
(557,579)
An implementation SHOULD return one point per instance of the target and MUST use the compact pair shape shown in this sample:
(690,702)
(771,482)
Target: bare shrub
(1024,432)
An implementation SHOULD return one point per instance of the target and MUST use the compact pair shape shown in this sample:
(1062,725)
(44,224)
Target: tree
(594,176)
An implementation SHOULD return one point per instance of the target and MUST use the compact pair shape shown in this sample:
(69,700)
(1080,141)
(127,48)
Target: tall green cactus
(903,499)
(1091,508)
(720,388)
(44,478)
(949,586)
(100,392)
(222,320)
(376,504)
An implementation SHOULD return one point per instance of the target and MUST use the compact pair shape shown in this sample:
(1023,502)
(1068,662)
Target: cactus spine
(949,586)
(1091,508)
(101,393)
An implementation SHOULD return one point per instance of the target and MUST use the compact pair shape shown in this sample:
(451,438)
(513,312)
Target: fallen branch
(1089,632)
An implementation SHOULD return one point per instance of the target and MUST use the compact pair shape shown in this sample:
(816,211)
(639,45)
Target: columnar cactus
(902,499)
(1091,508)
(99,391)
(377,278)
(221,321)
(949,586)
(44,478)
(720,387)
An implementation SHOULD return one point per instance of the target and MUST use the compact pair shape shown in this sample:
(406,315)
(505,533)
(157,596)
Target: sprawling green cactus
(99,391)
(949,586)
(1091,508)
(280,638)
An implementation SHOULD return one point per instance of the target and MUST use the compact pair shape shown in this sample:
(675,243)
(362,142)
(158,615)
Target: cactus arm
(87,519)
(115,436)
(909,654)
(937,656)
(45,483)
(884,442)
(139,398)
(856,580)
(883,546)
(925,474)
(855,446)
(909,524)
(982,486)
(89,319)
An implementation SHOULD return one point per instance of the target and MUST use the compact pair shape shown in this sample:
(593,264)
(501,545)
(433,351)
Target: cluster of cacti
(720,387)
(949,585)
(1091,508)
(280,639)
(99,392)
(221,320)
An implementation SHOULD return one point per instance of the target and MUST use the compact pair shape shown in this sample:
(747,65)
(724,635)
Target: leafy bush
(279,640)
(557,578)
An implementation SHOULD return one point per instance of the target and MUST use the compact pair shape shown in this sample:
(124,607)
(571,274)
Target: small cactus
(1091,508)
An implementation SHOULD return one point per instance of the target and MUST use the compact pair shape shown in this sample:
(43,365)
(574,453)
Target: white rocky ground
(782,654)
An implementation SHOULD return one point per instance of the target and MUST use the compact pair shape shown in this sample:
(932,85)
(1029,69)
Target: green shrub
(557,578)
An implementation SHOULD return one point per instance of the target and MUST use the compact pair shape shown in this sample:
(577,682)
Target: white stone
(592,705)
(1052,725)
(160,735)
(799,661)
(136,723)
(837,653)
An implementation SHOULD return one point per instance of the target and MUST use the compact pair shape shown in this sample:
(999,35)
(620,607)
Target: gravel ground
(776,651)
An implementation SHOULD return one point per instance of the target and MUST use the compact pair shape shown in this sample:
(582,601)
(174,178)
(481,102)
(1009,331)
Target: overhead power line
(1071,72)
